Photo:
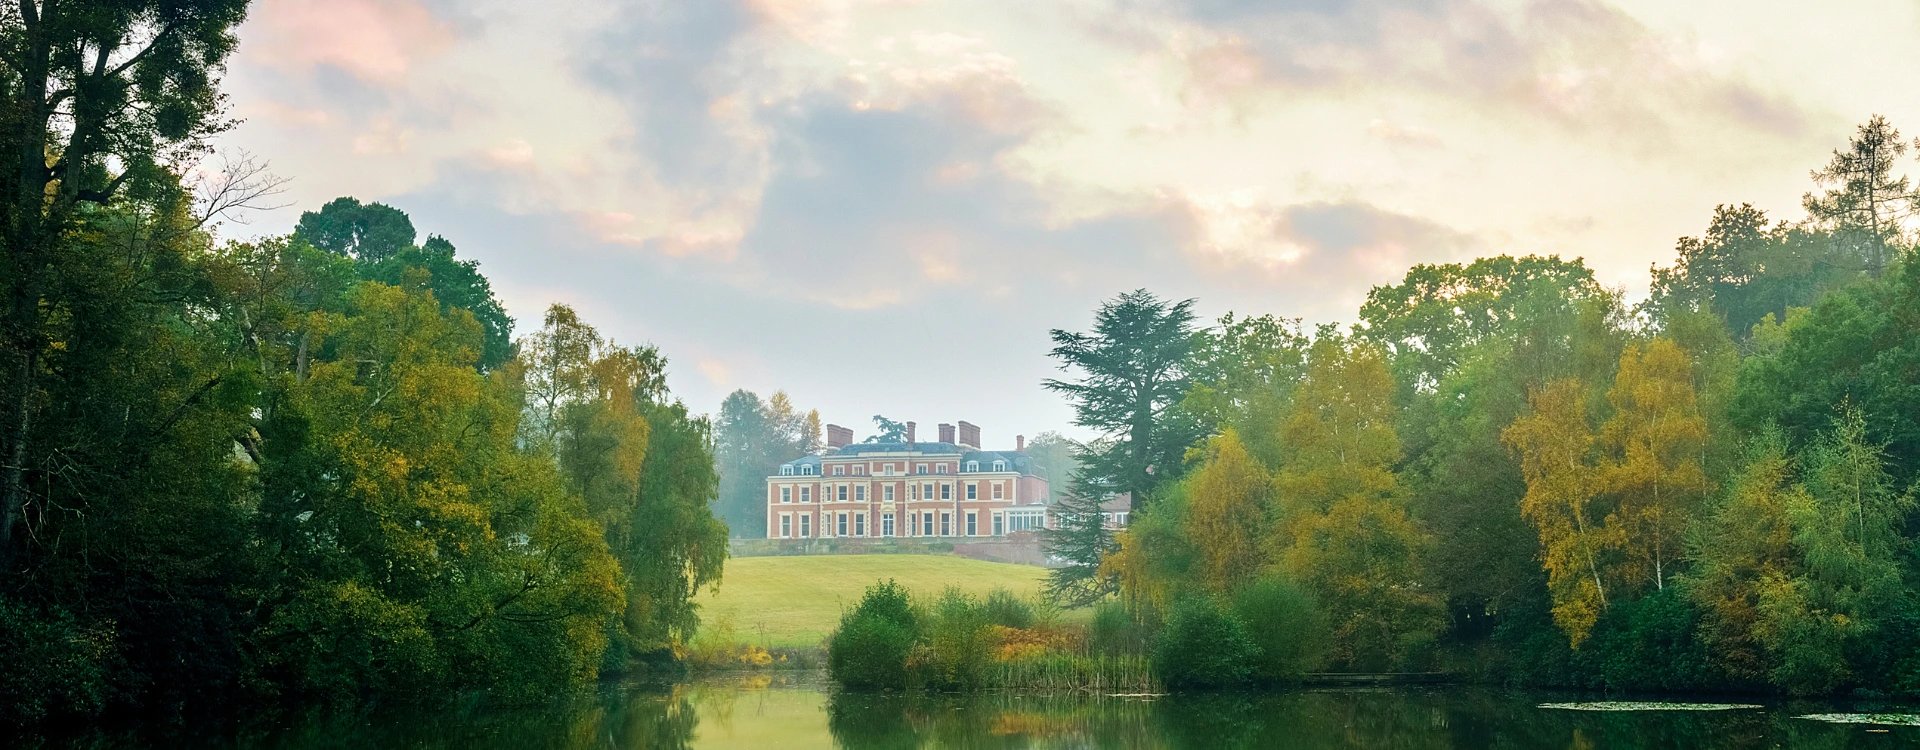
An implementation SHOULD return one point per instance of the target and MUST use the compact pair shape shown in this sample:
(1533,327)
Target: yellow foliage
(1228,512)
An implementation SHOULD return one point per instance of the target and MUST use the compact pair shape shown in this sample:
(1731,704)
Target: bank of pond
(802,709)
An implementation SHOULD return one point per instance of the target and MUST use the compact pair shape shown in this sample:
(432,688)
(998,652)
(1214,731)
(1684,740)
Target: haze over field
(685,173)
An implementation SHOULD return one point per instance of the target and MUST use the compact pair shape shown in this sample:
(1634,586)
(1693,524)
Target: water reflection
(788,711)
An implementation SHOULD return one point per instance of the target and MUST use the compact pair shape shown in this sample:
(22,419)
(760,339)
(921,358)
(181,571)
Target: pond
(764,712)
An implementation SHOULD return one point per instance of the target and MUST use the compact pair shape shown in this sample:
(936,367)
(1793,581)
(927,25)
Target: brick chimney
(1020,442)
(946,433)
(838,437)
(910,427)
(969,434)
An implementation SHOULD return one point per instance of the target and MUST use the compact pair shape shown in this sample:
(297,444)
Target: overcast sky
(882,206)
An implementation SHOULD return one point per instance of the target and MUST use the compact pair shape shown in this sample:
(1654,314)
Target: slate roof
(1016,460)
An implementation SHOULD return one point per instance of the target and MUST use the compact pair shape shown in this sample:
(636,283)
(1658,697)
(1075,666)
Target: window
(859,493)
(999,466)
(843,525)
(973,466)
(886,470)
(806,526)
(913,492)
(860,524)
(806,494)
(886,493)
(807,470)
(839,471)
(926,491)
(999,490)
(886,524)
(786,494)
(999,525)
(860,471)
(946,491)
(973,490)
(786,525)
(920,468)
(914,521)
(973,523)
(946,524)
(843,493)
(785,470)
(926,523)
(939,468)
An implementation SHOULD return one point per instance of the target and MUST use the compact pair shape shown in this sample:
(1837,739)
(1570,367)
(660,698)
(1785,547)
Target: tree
(1864,202)
(1244,372)
(370,233)
(1743,269)
(1556,448)
(104,104)
(1656,445)
(1345,532)
(1228,514)
(887,431)
(1743,546)
(1054,458)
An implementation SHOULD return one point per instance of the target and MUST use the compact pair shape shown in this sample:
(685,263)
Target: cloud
(378,41)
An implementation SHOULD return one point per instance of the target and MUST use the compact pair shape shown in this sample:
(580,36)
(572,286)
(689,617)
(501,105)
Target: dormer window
(807,470)
(973,466)
(999,466)
(786,470)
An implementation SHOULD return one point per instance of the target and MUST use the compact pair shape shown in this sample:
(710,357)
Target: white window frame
(806,494)
(999,490)
(786,526)
(1000,465)
(786,494)
(839,470)
(806,525)
(973,466)
(886,492)
(786,470)
(973,490)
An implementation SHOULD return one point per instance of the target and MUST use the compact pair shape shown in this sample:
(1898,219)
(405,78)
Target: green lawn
(797,600)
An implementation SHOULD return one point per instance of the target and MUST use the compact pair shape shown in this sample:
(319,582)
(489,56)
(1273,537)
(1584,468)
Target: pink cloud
(378,41)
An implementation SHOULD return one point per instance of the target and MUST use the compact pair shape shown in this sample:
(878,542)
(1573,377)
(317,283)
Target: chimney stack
(946,433)
(910,427)
(969,434)
(838,437)
(1020,443)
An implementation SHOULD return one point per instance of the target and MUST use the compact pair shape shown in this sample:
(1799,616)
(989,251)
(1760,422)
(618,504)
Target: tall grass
(1064,672)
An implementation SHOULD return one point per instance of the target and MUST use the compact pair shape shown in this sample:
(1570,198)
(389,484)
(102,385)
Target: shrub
(958,642)
(1286,625)
(870,649)
(1203,646)
(52,665)
(1114,631)
(1006,610)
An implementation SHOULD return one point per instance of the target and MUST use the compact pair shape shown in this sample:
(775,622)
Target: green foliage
(752,438)
(1286,626)
(1008,610)
(52,665)
(869,650)
(956,651)
(1203,645)
(1114,629)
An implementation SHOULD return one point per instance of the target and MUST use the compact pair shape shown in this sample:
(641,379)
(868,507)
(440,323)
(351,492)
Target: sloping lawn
(797,600)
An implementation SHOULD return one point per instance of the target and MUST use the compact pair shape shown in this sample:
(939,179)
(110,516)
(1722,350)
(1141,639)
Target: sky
(882,206)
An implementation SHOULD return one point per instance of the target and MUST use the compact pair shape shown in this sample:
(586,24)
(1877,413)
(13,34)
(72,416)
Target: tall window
(786,525)
(973,523)
(999,525)
(859,493)
(999,489)
(926,523)
(786,494)
(946,491)
(806,494)
(806,526)
(946,524)
(926,491)
(859,524)
(843,493)
(886,493)
(973,491)
(842,530)
(886,524)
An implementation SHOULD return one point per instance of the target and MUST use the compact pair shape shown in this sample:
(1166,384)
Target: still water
(800,711)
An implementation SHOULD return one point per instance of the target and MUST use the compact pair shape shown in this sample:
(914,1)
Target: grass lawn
(796,600)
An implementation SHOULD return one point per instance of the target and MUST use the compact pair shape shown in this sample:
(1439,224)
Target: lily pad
(1898,720)
(1647,706)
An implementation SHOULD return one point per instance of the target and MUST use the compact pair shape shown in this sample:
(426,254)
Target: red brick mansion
(949,488)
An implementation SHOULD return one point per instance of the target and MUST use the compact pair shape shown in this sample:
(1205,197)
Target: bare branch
(241,184)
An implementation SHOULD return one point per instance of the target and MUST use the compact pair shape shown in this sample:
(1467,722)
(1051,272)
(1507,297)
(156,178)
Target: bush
(52,665)
(1203,646)
(1006,610)
(1114,631)
(1286,625)
(958,642)
(869,651)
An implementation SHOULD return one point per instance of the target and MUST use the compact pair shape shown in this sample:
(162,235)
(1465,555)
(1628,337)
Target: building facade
(946,488)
